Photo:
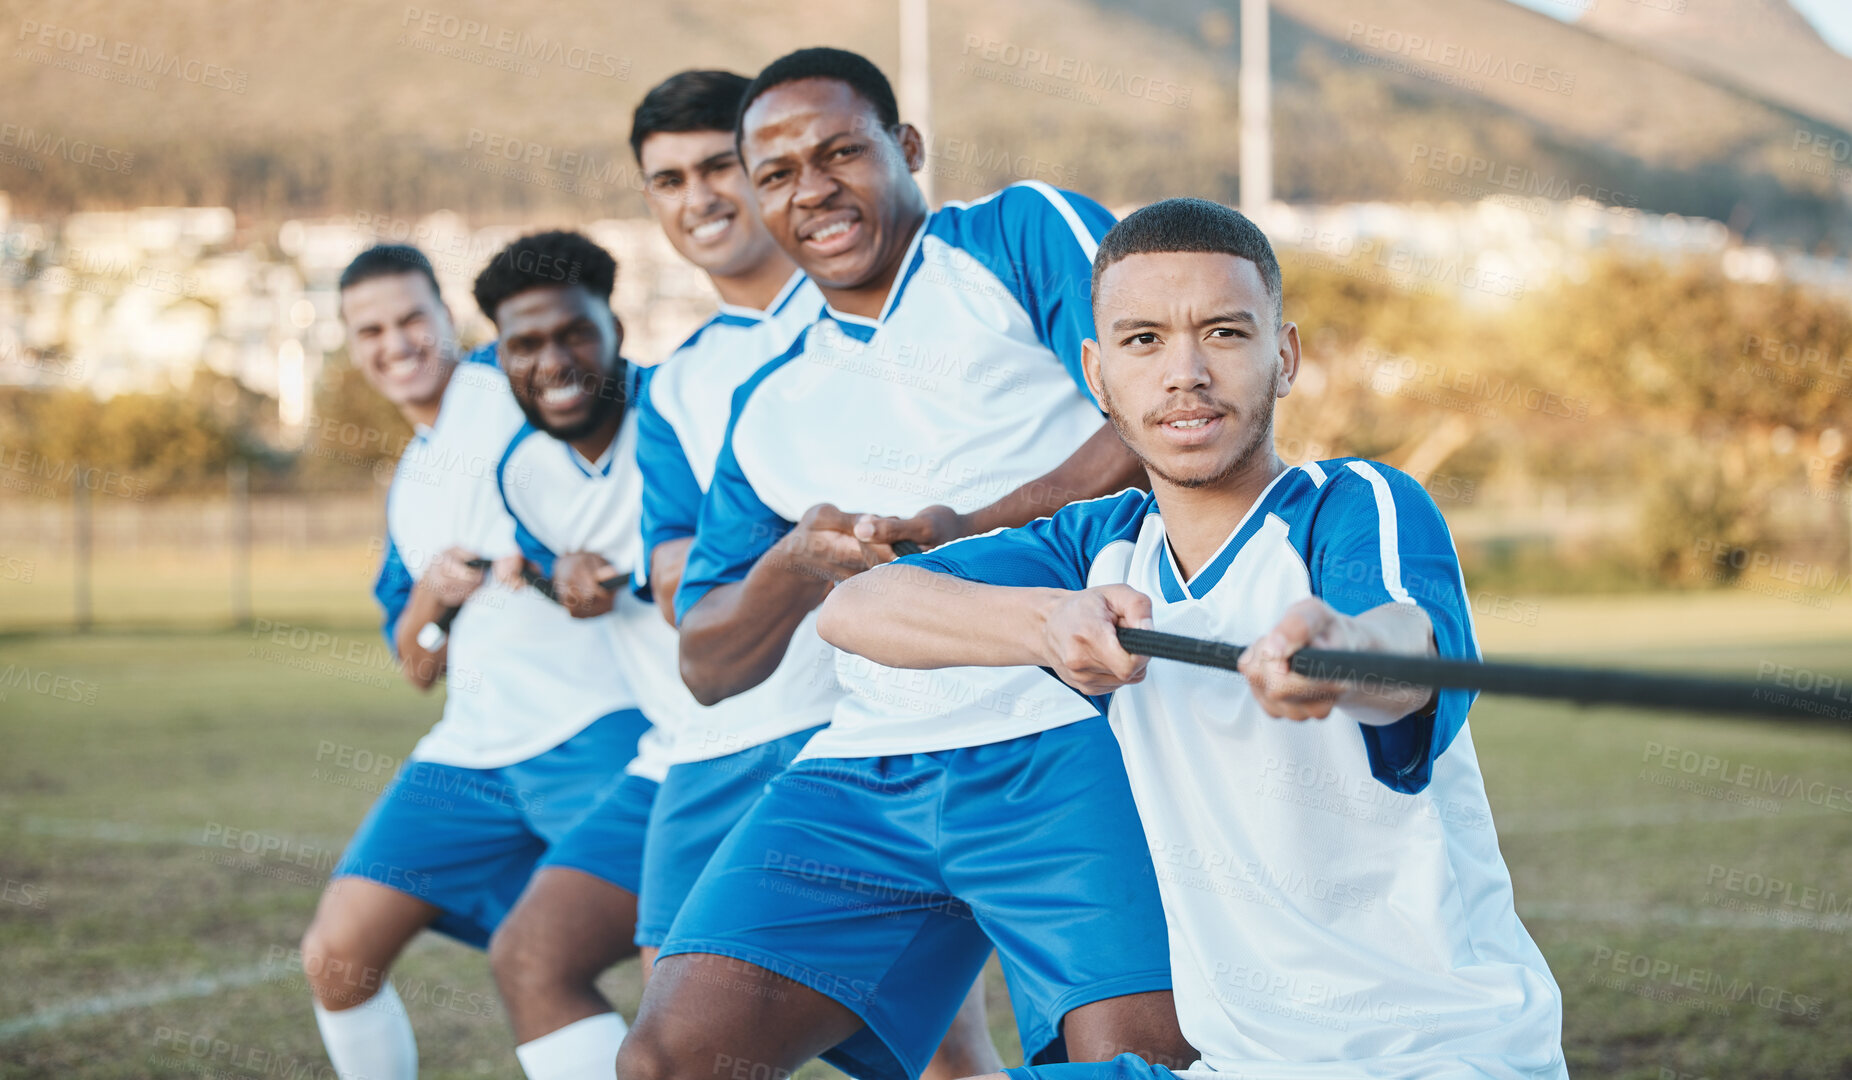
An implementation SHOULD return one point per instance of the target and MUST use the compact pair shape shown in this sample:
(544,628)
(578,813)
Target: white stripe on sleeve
(1385,516)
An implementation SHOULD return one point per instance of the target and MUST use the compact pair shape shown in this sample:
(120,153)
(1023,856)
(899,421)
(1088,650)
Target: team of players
(817,849)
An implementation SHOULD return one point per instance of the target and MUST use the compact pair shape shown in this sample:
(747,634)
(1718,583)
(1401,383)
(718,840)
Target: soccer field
(170,805)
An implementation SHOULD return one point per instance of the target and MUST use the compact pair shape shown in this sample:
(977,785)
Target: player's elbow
(834,619)
(704,687)
(705,679)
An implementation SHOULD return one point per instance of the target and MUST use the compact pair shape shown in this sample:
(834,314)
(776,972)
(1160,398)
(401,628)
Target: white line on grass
(104,1004)
(1673,915)
(131,832)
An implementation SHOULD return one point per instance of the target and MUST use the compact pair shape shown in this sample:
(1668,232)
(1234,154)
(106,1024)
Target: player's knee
(648,1053)
(521,960)
(337,967)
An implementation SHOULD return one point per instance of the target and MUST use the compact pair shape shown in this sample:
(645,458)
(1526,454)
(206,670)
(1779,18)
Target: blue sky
(1832,18)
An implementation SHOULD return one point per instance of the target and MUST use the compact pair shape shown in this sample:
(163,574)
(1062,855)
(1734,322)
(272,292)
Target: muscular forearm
(906,616)
(420,666)
(665,573)
(1101,466)
(736,635)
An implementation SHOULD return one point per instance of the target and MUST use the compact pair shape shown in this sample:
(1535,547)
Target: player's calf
(567,928)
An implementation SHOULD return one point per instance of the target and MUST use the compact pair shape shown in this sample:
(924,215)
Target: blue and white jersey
(682,412)
(966,387)
(1336,899)
(503,644)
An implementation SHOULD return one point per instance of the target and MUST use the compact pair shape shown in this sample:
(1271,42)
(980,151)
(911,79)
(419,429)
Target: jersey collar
(1170,580)
(740,314)
(862,328)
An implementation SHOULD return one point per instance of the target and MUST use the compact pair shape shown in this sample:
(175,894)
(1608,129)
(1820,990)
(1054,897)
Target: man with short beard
(568,478)
(492,791)
(1337,903)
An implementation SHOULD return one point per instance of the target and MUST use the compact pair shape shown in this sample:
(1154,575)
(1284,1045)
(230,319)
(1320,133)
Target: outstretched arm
(907,616)
(1099,466)
(736,634)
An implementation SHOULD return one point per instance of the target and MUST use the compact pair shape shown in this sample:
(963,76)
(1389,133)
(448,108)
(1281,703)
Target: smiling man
(568,478)
(507,772)
(937,395)
(1337,902)
(682,135)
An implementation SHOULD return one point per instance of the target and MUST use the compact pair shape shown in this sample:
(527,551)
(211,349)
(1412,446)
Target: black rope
(1582,685)
(535,580)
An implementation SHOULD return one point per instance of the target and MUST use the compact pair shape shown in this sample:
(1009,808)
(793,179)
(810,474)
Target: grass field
(137,943)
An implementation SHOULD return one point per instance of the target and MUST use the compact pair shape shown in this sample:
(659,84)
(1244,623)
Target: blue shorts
(467,840)
(608,843)
(883,882)
(698,805)
(1123,1067)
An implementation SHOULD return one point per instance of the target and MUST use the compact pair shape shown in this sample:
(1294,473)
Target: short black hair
(384,260)
(543,260)
(844,66)
(1195,225)
(689,101)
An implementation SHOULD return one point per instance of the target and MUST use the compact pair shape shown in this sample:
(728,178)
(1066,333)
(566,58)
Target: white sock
(582,1050)
(371,1041)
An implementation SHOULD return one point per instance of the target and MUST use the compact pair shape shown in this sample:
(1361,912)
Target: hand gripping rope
(1827,698)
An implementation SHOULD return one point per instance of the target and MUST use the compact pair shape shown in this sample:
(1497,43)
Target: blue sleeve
(671,494)
(735,529)
(1378,537)
(531,548)
(1049,553)
(1040,242)
(393,589)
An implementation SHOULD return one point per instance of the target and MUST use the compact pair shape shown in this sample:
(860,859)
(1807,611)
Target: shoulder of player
(1092,523)
(725,343)
(1352,483)
(1118,515)
(523,453)
(1011,214)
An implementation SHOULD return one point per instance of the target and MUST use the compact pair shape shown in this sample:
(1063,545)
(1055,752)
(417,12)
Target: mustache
(1197,400)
